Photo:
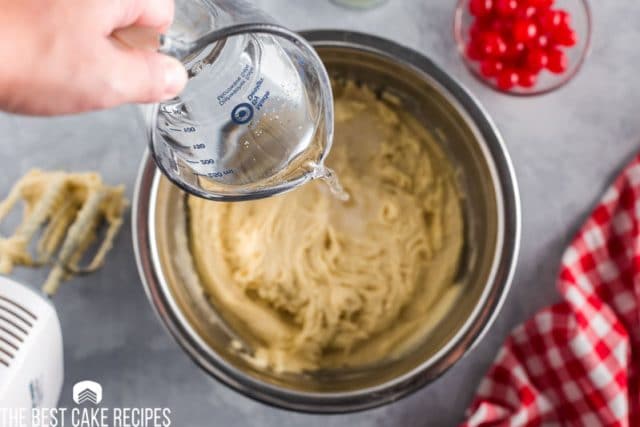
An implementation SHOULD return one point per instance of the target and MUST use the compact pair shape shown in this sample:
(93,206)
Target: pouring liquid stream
(330,178)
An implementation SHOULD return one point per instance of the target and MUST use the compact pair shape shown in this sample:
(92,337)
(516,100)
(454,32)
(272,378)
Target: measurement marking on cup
(175,130)
(220,174)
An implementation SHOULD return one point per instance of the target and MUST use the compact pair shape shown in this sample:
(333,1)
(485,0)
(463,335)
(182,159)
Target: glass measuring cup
(256,117)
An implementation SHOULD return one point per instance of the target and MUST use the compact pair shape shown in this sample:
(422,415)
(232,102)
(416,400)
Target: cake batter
(314,282)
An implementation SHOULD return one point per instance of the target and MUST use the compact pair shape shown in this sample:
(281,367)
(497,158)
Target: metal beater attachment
(63,213)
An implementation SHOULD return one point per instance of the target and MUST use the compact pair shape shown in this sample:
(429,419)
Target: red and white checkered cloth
(577,363)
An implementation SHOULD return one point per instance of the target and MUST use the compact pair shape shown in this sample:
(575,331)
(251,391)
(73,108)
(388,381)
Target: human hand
(60,57)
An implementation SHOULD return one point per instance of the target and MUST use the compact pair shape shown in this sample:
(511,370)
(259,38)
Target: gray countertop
(566,148)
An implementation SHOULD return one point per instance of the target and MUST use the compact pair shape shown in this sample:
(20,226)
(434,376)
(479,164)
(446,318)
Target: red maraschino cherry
(516,40)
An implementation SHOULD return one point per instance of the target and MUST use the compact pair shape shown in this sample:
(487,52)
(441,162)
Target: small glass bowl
(547,82)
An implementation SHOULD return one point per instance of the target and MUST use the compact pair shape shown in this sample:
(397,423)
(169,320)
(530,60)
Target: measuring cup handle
(147,38)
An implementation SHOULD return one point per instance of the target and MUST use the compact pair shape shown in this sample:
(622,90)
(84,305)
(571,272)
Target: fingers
(156,14)
(142,77)
(137,74)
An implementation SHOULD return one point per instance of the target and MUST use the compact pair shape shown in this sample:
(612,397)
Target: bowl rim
(461,8)
(466,338)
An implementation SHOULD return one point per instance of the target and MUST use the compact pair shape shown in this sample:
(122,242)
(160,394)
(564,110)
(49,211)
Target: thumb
(144,76)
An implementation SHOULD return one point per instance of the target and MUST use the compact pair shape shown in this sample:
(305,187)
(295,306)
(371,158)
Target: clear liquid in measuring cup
(247,115)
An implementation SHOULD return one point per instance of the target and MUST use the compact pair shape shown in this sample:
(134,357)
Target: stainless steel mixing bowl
(492,216)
